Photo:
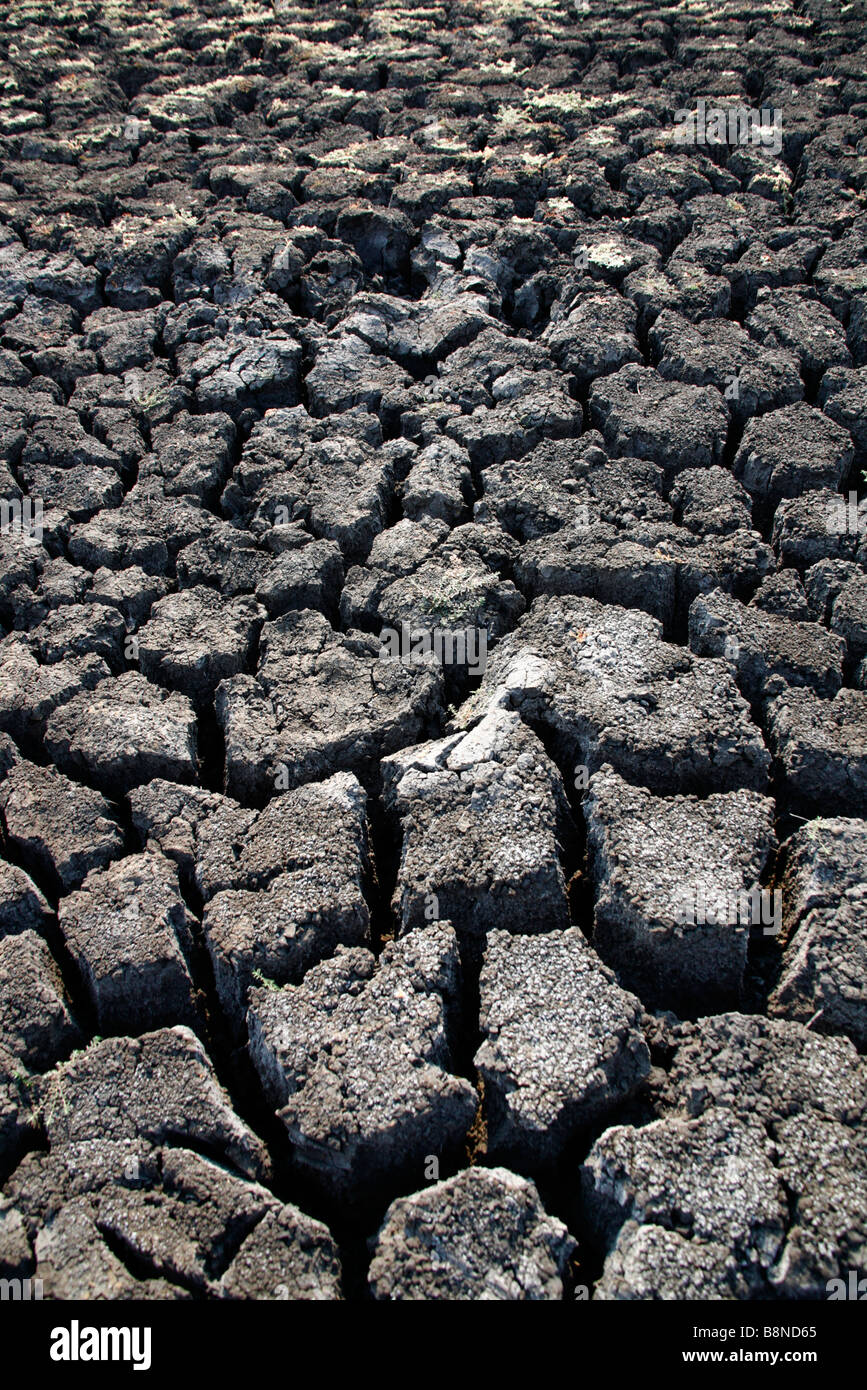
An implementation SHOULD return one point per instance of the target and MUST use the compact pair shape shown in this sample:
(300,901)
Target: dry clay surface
(335,965)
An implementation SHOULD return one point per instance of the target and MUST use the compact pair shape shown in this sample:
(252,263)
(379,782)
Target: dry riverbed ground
(433,649)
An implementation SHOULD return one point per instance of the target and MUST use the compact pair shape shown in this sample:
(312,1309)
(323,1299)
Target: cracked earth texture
(330,970)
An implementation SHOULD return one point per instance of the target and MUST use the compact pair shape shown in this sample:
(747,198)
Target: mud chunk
(235,373)
(534,406)
(194,639)
(718,352)
(825,888)
(481,815)
(320,702)
(765,649)
(569,482)
(813,1091)
(63,829)
(756,1068)
(453,593)
(782,593)
(822,1163)
(380,236)
(356,1060)
(821,525)
(483,1235)
(709,501)
(229,560)
(122,339)
(192,454)
(131,935)
(396,552)
(683,287)
(792,318)
(312,903)
(73,1261)
(439,484)
(843,396)
(562,1043)
(131,591)
(595,337)
(30,692)
(309,577)
(189,1227)
(654,566)
(287,1255)
(339,487)
(22,906)
(822,751)
(348,372)
(36,1021)
(159,1088)
(824,582)
(676,426)
(791,451)
(419,333)
(849,614)
(122,733)
(80,630)
(643,1189)
(677,883)
(608,689)
(651,1262)
(148,531)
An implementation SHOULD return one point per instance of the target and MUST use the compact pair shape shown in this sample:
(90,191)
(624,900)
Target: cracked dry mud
(326,974)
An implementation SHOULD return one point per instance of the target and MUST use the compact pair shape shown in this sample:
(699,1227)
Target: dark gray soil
(333,966)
